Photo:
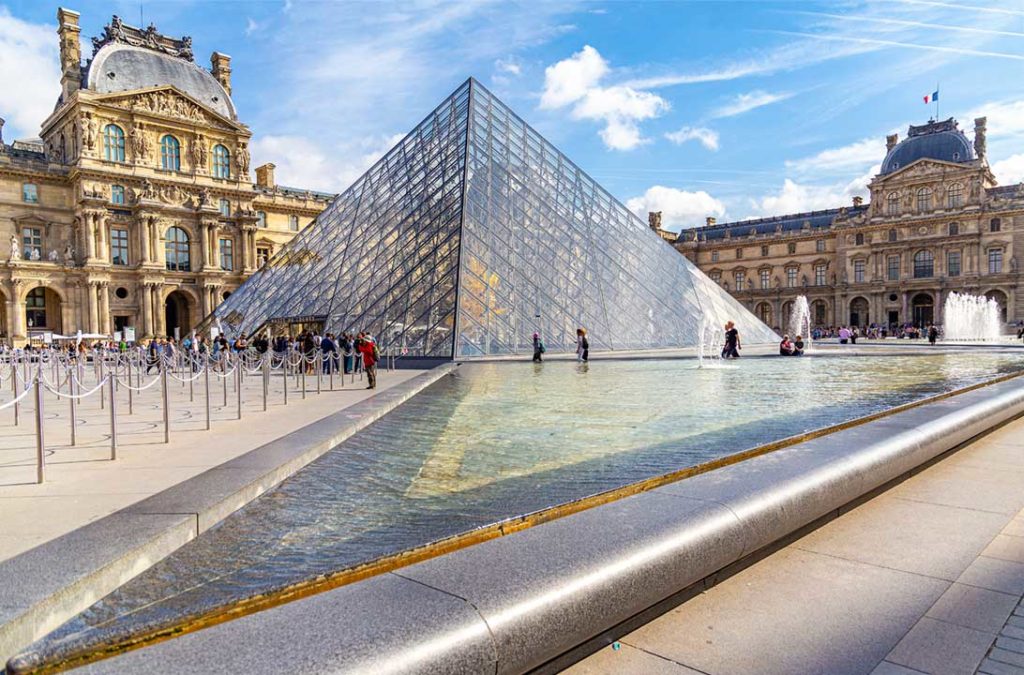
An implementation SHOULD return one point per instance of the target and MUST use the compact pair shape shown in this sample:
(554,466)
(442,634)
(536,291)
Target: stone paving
(83,484)
(925,578)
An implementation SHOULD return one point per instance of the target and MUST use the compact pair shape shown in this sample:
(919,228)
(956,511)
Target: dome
(935,140)
(121,67)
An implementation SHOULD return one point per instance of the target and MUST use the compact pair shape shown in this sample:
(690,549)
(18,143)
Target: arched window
(113,143)
(176,250)
(924,264)
(994,225)
(225,208)
(892,204)
(924,200)
(954,228)
(170,153)
(955,196)
(35,307)
(221,162)
(117,194)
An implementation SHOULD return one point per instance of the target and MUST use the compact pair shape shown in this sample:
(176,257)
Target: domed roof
(935,140)
(120,67)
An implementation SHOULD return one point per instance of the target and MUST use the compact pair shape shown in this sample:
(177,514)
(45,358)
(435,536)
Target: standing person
(368,348)
(538,348)
(933,334)
(329,352)
(732,347)
(844,335)
(582,345)
(154,352)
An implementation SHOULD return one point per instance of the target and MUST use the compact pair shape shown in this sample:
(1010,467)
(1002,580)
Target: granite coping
(47,585)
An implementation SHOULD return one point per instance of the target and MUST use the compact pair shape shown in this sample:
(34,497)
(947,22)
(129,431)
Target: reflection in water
(500,440)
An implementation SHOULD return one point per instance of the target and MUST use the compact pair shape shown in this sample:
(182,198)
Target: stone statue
(980,125)
(654,220)
(204,197)
(35,254)
(138,139)
(148,191)
(88,132)
(53,255)
(242,158)
(200,149)
(186,47)
(69,255)
(15,248)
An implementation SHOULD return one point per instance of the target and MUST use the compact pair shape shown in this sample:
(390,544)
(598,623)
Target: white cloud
(27,49)
(1005,118)
(304,163)
(576,81)
(795,197)
(509,66)
(707,137)
(747,102)
(680,209)
(1010,170)
(849,157)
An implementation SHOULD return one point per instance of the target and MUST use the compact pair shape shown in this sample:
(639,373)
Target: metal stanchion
(14,383)
(332,365)
(206,376)
(225,381)
(238,386)
(73,406)
(131,404)
(113,417)
(191,385)
(319,372)
(284,378)
(99,378)
(40,443)
(266,380)
(163,390)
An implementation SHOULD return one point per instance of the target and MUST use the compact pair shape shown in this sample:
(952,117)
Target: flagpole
(937,102)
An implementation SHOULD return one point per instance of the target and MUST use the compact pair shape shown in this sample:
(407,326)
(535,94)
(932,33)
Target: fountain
(800,321)
(709,345)
(971,317)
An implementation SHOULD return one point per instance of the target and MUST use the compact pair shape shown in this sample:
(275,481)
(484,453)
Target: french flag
(933,98)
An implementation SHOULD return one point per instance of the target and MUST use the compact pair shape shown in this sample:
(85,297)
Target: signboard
(177,333)
(48,338)
(117,336)
(129,334)
(214,332)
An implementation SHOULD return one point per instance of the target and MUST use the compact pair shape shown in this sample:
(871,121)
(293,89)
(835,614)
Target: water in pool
(503,439)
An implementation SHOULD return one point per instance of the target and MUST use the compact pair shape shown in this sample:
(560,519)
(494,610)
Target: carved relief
(242,158)
(140,144)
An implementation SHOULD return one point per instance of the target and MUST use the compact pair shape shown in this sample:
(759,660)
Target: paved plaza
(82,483)
(925,578)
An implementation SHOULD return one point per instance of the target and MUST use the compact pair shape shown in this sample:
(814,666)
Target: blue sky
(726,109)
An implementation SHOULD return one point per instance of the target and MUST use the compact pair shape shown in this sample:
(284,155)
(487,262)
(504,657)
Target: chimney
(980,125)
(890,141)
(221,69)
(70,52)
(265,175)
(858,201)
(709,221)
(1,134)
(654,220)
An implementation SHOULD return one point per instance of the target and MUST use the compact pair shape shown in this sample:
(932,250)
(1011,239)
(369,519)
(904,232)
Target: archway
(3,315)
(1001,299)
(177,313)
(787,314)
(923,308)
(859,312)
(819,313)
(42,311)
(764,313)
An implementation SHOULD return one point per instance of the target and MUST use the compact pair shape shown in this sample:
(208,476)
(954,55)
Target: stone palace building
(136,208)
(936,223)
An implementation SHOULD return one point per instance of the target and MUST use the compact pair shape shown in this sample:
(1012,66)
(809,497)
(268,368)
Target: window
(954,228)
(227,255)
(119,247)
(113,143)
(261,218)
(764,251)
(892,264)
(35,307)
(32,243)
(892,204)
(819,275)
(858,271)
(766,279)
(262,255)
(892,235)
(819,245)
(293,224)
(741,280)
(791,277)
(994,225)
(221,162)
(739,253)
(176,250)
(225,208)
(924,264)
(995,261)
(714,256)
(716,277)
(924,200)
(117,194)
(29,193)
(955,196)
(859,239)
(791,248)
(170,153)
(953,263)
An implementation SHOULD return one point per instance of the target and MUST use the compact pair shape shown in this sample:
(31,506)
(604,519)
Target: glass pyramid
(470,235)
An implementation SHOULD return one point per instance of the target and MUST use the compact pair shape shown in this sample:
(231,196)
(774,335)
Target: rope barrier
(16,400)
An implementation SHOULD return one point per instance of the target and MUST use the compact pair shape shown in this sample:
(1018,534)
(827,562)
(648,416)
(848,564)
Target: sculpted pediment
(923,168)
(167,101)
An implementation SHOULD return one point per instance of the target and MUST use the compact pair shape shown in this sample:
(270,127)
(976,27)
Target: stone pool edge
(44,587)
(515,603)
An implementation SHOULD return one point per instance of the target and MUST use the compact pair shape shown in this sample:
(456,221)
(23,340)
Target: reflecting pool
(497,440)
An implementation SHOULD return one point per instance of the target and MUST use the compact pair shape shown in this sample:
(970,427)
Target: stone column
(17,310)
(105,319)
(89,219)
(103,237)
(160,320)
(144,250)
(94,325)
(243,250)
(147,310)
(204,245)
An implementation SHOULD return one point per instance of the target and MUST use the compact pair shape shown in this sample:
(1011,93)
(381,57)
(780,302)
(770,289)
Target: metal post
(131,403)
(74,416)
(14,383)
(99,379)
(191,388)
(303,379)
(284,377)
(167,414)
(332,364)
(266,380)
(113,417)
(319,372)
(238,385)
(206,376)
(225,381)
(40,443)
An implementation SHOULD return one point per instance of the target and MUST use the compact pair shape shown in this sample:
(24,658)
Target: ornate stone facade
(137,207)
(936,223)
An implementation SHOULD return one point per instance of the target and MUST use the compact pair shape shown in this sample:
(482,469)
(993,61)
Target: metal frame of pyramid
(473,233)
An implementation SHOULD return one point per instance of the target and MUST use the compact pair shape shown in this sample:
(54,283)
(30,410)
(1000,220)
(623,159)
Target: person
(844,335)
(348,350)
(854,332)
(933,334)
(786,346)
(308,350)
(798,346)
(154,356)
(368,348)
(732,347)
(582,345)
(330,354)
(538,348)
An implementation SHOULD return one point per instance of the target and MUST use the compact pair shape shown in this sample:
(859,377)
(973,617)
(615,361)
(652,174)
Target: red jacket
(366,349)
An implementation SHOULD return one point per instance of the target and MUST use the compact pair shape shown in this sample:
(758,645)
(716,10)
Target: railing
(75,377)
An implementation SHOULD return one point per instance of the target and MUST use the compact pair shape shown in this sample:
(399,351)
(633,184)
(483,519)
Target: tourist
(538,348)
(582,345)
(368,348)
(854,332)
(798,346)
(308,350)
(154,356)
(786,346)
(933,334)
(262,344)
(844,335)
(348,350)
(329,354)
(732,347)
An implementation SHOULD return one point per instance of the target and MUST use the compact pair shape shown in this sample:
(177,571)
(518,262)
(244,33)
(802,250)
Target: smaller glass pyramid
(470,235)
